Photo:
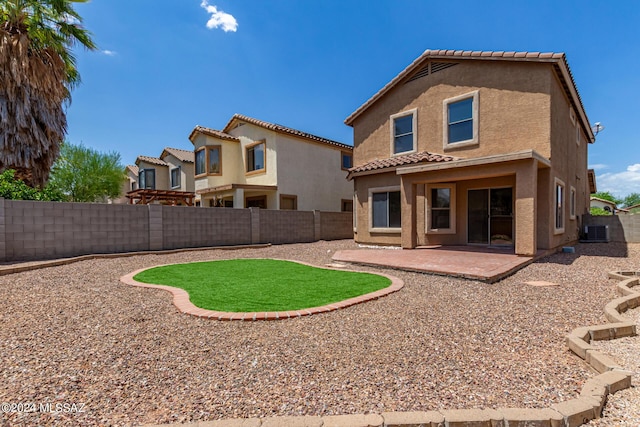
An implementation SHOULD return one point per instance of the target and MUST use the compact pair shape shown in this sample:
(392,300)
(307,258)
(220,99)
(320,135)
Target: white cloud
(219,19)
(598,166)
(621,183)
(109,52)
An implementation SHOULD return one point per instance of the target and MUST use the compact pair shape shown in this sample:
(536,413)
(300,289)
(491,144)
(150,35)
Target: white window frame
(179,169)
(557,182)
(373,229)
(414,126)
(572,203)
(452,209)
(475,95)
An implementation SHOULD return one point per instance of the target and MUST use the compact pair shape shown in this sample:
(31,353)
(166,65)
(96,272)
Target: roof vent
(430,68)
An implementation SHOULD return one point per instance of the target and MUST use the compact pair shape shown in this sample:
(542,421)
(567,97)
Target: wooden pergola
(165,197)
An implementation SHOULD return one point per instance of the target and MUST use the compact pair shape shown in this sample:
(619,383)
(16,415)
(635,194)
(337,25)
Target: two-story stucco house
(473,148)
(164,179)
(252,163)
(173,170)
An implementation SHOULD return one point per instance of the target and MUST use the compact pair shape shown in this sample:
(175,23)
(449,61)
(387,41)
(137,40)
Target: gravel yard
(74,334)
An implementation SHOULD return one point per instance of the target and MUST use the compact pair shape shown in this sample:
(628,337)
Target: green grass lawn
(248,285)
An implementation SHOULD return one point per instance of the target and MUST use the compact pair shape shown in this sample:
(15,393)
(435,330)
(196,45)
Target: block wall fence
(32,230)
(622,228)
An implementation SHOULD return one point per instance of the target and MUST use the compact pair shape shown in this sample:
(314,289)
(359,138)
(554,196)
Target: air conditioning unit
(596,233)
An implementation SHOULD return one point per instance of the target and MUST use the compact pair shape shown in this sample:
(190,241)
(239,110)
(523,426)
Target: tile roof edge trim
(274,127)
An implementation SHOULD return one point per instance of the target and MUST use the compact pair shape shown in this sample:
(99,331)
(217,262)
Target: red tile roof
(558,59)
(212,132)
(283,129)
(407,159)
(152,160)
(182,155)
(133,169)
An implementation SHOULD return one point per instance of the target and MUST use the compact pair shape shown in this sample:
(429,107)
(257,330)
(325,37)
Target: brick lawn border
(181,299)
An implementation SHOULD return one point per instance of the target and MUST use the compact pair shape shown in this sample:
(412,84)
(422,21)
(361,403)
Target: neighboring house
(473,148)
(129,183)
(166,179)
(181,169)
(606,205)
(252,163)
(633,209)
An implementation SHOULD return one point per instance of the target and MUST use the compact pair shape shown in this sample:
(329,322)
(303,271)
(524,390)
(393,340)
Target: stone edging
(181,299)
(571,413)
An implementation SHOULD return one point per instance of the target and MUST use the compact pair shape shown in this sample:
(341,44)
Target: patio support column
(526,209)
(409,217)
(238,198)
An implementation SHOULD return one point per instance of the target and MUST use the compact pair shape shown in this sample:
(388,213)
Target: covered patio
(479,263)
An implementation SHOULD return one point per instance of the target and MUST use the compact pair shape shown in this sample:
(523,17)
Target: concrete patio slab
(484,264)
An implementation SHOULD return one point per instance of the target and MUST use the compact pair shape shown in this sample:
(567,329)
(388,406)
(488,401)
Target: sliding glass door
(490,216)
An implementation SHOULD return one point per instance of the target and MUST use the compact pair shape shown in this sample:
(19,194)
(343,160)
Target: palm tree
(37,74)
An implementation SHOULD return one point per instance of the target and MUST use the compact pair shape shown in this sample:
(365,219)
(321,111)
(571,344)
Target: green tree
(86,175)
(37,73)
(605,195)
(15,189)
(631,200)
(599,212)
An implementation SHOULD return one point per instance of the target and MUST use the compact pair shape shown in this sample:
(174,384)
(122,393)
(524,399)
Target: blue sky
(165,66)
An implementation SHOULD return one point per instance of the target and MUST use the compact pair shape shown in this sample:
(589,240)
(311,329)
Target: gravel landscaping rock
(623,408)
(74,334)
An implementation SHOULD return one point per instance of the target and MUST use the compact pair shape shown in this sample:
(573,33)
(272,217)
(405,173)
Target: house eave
(477,161)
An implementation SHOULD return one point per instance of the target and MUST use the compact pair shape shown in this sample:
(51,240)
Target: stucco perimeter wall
(46,230)
(622,228)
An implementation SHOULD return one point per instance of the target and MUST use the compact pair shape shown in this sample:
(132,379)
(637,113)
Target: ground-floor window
(559,206)
(441,208)
(256,202)
(288,202)
(385,209)
(346,205)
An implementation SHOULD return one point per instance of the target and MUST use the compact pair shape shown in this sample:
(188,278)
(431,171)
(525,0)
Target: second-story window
(175,177)
(461,120)
(147,179)
(200,162)
(255,157)
(403,132)
(208,161)
(347,160)
(213,163)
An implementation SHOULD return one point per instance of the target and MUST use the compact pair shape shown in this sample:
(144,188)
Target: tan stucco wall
(232,169)
(569,164)
(162,175)
(250,134)
(186,173)
(514,110)
(313,173)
